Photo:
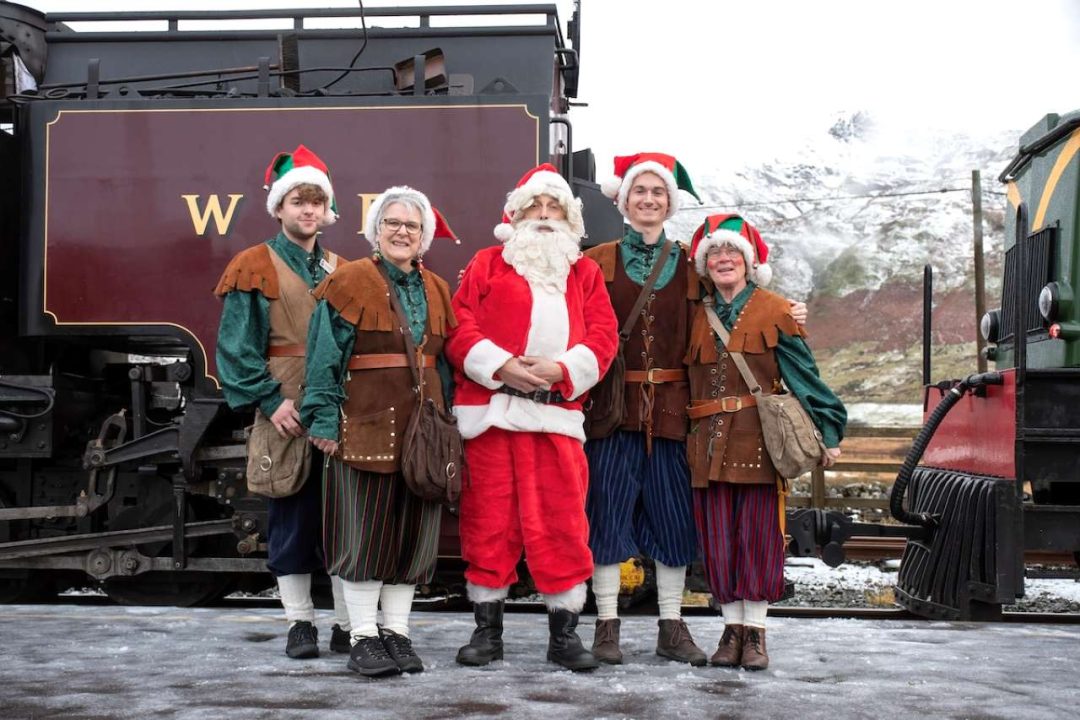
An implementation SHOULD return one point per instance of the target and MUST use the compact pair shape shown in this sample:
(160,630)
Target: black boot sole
(573,667)
(303,652)
(479,662)
(373,672)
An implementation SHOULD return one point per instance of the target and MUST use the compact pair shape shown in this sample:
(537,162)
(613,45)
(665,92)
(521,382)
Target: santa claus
(535,332)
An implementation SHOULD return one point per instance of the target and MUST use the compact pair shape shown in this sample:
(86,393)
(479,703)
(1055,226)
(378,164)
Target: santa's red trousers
(525,490)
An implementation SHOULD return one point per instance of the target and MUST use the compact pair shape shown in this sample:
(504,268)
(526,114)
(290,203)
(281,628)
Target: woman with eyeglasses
(379,538)
(737,493)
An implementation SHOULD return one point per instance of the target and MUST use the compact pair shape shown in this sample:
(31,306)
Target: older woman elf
(737,493)
(380,539)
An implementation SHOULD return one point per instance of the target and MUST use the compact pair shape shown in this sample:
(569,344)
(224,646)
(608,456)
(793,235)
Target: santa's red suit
(527,471)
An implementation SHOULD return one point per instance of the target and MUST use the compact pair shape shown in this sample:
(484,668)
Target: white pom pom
(610,187)
(763,275)
(504,231)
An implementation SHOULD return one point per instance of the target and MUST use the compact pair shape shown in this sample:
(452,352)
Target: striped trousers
(742,545)
(639,503)
(375,529)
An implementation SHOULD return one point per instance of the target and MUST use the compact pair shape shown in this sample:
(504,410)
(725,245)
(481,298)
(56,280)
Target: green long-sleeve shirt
(638,258)
(244,333)
(798,370)
(330,343)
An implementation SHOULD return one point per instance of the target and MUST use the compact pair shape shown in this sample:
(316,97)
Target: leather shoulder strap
(740,361)
(643,296)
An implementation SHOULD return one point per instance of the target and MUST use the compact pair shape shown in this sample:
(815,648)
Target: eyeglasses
(724,251)
(393,225)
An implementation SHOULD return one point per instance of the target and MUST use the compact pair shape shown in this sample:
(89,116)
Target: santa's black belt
(546,397)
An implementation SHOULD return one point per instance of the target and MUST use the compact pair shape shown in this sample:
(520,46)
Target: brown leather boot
(675,643)
(605,644)
(729,651)
(754,654)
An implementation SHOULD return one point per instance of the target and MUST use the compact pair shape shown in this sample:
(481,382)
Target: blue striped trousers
(639,503)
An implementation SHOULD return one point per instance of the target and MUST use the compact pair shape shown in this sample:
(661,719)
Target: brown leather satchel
(607,399)
(432,450)
(793,442)
(276,467)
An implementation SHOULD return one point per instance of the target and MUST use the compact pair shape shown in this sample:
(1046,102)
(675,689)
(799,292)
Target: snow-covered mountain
(850,220)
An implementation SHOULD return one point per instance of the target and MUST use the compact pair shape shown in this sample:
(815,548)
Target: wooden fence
(869,454)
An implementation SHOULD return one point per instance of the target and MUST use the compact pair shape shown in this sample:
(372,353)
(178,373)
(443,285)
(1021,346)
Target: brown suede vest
(379,401)
(290,315)
(657,340)
(728,446)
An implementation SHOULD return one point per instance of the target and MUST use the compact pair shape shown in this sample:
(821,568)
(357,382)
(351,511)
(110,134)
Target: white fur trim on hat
(621,191)
(542,183)
(760,274)
(389,197)
(303,175)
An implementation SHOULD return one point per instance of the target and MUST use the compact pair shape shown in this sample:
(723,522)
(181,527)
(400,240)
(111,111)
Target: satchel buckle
(735,405)
(265,463)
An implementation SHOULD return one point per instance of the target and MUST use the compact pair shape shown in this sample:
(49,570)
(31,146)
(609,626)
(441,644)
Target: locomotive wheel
(181,589)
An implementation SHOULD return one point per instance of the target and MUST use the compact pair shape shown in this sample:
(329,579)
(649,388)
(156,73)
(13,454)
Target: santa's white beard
(543,257)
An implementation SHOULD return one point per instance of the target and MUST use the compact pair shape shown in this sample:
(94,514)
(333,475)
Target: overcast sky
(721,83)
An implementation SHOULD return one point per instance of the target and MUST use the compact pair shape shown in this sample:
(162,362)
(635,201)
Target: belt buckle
(736,406)
(541,396)
(649,376)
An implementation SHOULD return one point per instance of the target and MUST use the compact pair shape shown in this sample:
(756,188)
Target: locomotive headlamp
(990,326)
(1055,299)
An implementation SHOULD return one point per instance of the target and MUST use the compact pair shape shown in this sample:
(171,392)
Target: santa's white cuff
(583,368)
(483,361)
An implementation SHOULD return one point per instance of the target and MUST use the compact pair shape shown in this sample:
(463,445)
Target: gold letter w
(201,218)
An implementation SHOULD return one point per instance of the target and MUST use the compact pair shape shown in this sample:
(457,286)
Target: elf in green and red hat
(639,500)
(266,306)
(738,497)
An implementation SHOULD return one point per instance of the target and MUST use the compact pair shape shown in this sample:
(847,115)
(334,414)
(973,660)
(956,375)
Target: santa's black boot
(564,645)
(486,642)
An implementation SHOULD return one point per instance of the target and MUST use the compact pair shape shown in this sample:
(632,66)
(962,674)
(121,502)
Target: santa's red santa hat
(541,180)
(300,167)
(666,167)
(732,230)
(433,223)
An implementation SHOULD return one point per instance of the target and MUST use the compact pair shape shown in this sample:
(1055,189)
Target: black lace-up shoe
(340,642)
(401,650)
(369,657)
(303,642)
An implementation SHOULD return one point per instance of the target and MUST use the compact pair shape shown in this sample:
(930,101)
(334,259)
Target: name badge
(325,265)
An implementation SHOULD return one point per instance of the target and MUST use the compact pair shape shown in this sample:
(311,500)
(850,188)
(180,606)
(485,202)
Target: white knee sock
(733,612)
(295,591)
(755,612)
(396,606)
(341,613)
(362,600)
(605,587)
(670,583)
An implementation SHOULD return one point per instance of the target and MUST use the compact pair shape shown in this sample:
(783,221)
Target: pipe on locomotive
(899,490)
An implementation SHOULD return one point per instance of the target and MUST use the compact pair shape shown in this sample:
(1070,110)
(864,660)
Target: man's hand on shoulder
(286,420)
(518,376)
(798,311)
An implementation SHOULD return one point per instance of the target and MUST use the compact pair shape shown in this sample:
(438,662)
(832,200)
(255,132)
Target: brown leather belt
(655,376)
(729,404)
(286,351)
(374,361)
